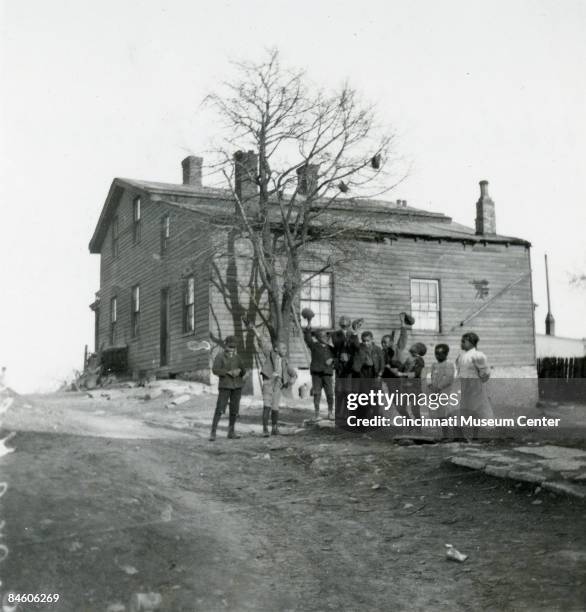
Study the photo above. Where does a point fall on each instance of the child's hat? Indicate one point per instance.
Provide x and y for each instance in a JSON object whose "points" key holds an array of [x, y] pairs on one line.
{"points": [[230, 342]]}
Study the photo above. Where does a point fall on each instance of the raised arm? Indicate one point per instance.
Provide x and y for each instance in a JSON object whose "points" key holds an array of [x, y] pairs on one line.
{"points": [[354, 339], [307, 336]]}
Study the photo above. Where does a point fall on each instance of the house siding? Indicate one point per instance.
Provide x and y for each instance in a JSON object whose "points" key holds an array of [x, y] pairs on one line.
{"points": [[142, 264], [505, 326], [377, 287]]}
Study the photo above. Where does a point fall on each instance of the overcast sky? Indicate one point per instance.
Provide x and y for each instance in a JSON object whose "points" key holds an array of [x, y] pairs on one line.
{"points": [[93, 90]]}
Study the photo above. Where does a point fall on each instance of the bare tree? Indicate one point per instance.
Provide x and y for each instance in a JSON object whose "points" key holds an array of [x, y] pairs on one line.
{"points": [[309, 152]]}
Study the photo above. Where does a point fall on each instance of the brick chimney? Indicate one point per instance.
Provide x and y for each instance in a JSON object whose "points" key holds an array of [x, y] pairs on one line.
{"points": [[245, 174], [307, 179], [192, 170], [485, 218]]}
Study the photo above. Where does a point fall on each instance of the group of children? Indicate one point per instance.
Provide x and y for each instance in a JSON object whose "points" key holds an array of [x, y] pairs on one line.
{"points": [[361, 366], [342, 361]]}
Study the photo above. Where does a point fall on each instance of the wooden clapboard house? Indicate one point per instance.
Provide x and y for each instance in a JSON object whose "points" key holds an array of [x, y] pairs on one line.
{"points": [[171, 274]]}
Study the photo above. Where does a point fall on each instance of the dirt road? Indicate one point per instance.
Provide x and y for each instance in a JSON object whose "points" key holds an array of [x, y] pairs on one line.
{"points": [[108, 498]]}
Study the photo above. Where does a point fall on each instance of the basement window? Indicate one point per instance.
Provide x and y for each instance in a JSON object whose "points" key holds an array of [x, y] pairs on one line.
{"points": [[113, 319], [189, 306], [136, 220], [135, 311], [316, 293], [425, 304]]}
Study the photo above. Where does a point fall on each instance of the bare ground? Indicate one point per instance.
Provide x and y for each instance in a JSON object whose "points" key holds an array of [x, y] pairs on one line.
{"points": [[111, 497]]}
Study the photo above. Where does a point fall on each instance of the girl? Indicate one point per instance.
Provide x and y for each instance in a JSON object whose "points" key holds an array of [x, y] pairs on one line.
{"points": [[473, 372]]}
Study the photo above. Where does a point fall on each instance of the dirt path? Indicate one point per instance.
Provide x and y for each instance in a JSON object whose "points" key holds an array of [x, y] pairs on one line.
{"points": [[310, 522]]}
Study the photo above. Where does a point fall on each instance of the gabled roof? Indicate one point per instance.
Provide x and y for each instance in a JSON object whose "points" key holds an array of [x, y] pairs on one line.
{"points": [[150, 187], [383, 217]]}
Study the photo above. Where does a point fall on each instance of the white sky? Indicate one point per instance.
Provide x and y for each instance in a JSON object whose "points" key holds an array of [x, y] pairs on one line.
{"points": [[93, 90]]}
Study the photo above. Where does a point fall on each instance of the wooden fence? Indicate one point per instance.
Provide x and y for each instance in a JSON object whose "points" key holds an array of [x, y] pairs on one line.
{"points": [[562, 378]]}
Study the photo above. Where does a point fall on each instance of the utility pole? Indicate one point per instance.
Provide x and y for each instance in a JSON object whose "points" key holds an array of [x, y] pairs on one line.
{"points": [[549, 320]]}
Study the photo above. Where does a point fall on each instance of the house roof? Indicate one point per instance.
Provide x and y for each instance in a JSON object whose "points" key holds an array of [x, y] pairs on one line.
{"points": [[383, 217]]}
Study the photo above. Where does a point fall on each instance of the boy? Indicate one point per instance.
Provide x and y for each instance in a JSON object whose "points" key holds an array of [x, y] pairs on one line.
{"points": [[229, 368], [473, 372], [442, 380], [412, 371], [367, 366], [321, 367], [394, 352], [345, 342], [368, 362], [392, 365], [276, 374]]}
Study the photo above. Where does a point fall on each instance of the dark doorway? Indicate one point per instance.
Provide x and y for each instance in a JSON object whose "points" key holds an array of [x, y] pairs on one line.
{"points": [[164, 345]]}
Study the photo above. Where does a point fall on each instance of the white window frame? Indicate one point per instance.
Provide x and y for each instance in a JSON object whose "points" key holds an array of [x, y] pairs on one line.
{"points": [[425, 310], [318, 294]]}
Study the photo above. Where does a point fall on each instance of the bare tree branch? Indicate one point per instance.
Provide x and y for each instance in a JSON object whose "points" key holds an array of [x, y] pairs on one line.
{"points": [[295, 128]]}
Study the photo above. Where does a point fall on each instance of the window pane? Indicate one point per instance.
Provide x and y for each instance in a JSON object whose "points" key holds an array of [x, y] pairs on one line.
{"points": [[316, 294], [191, 318], [433, 291], [190, 294], [415, 291], [327, 314], [425, 305], [434, 321]]}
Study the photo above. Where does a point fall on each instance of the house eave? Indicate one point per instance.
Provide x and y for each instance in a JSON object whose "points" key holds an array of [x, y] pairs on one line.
{"points": [[164, 193], [111, 202]]}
